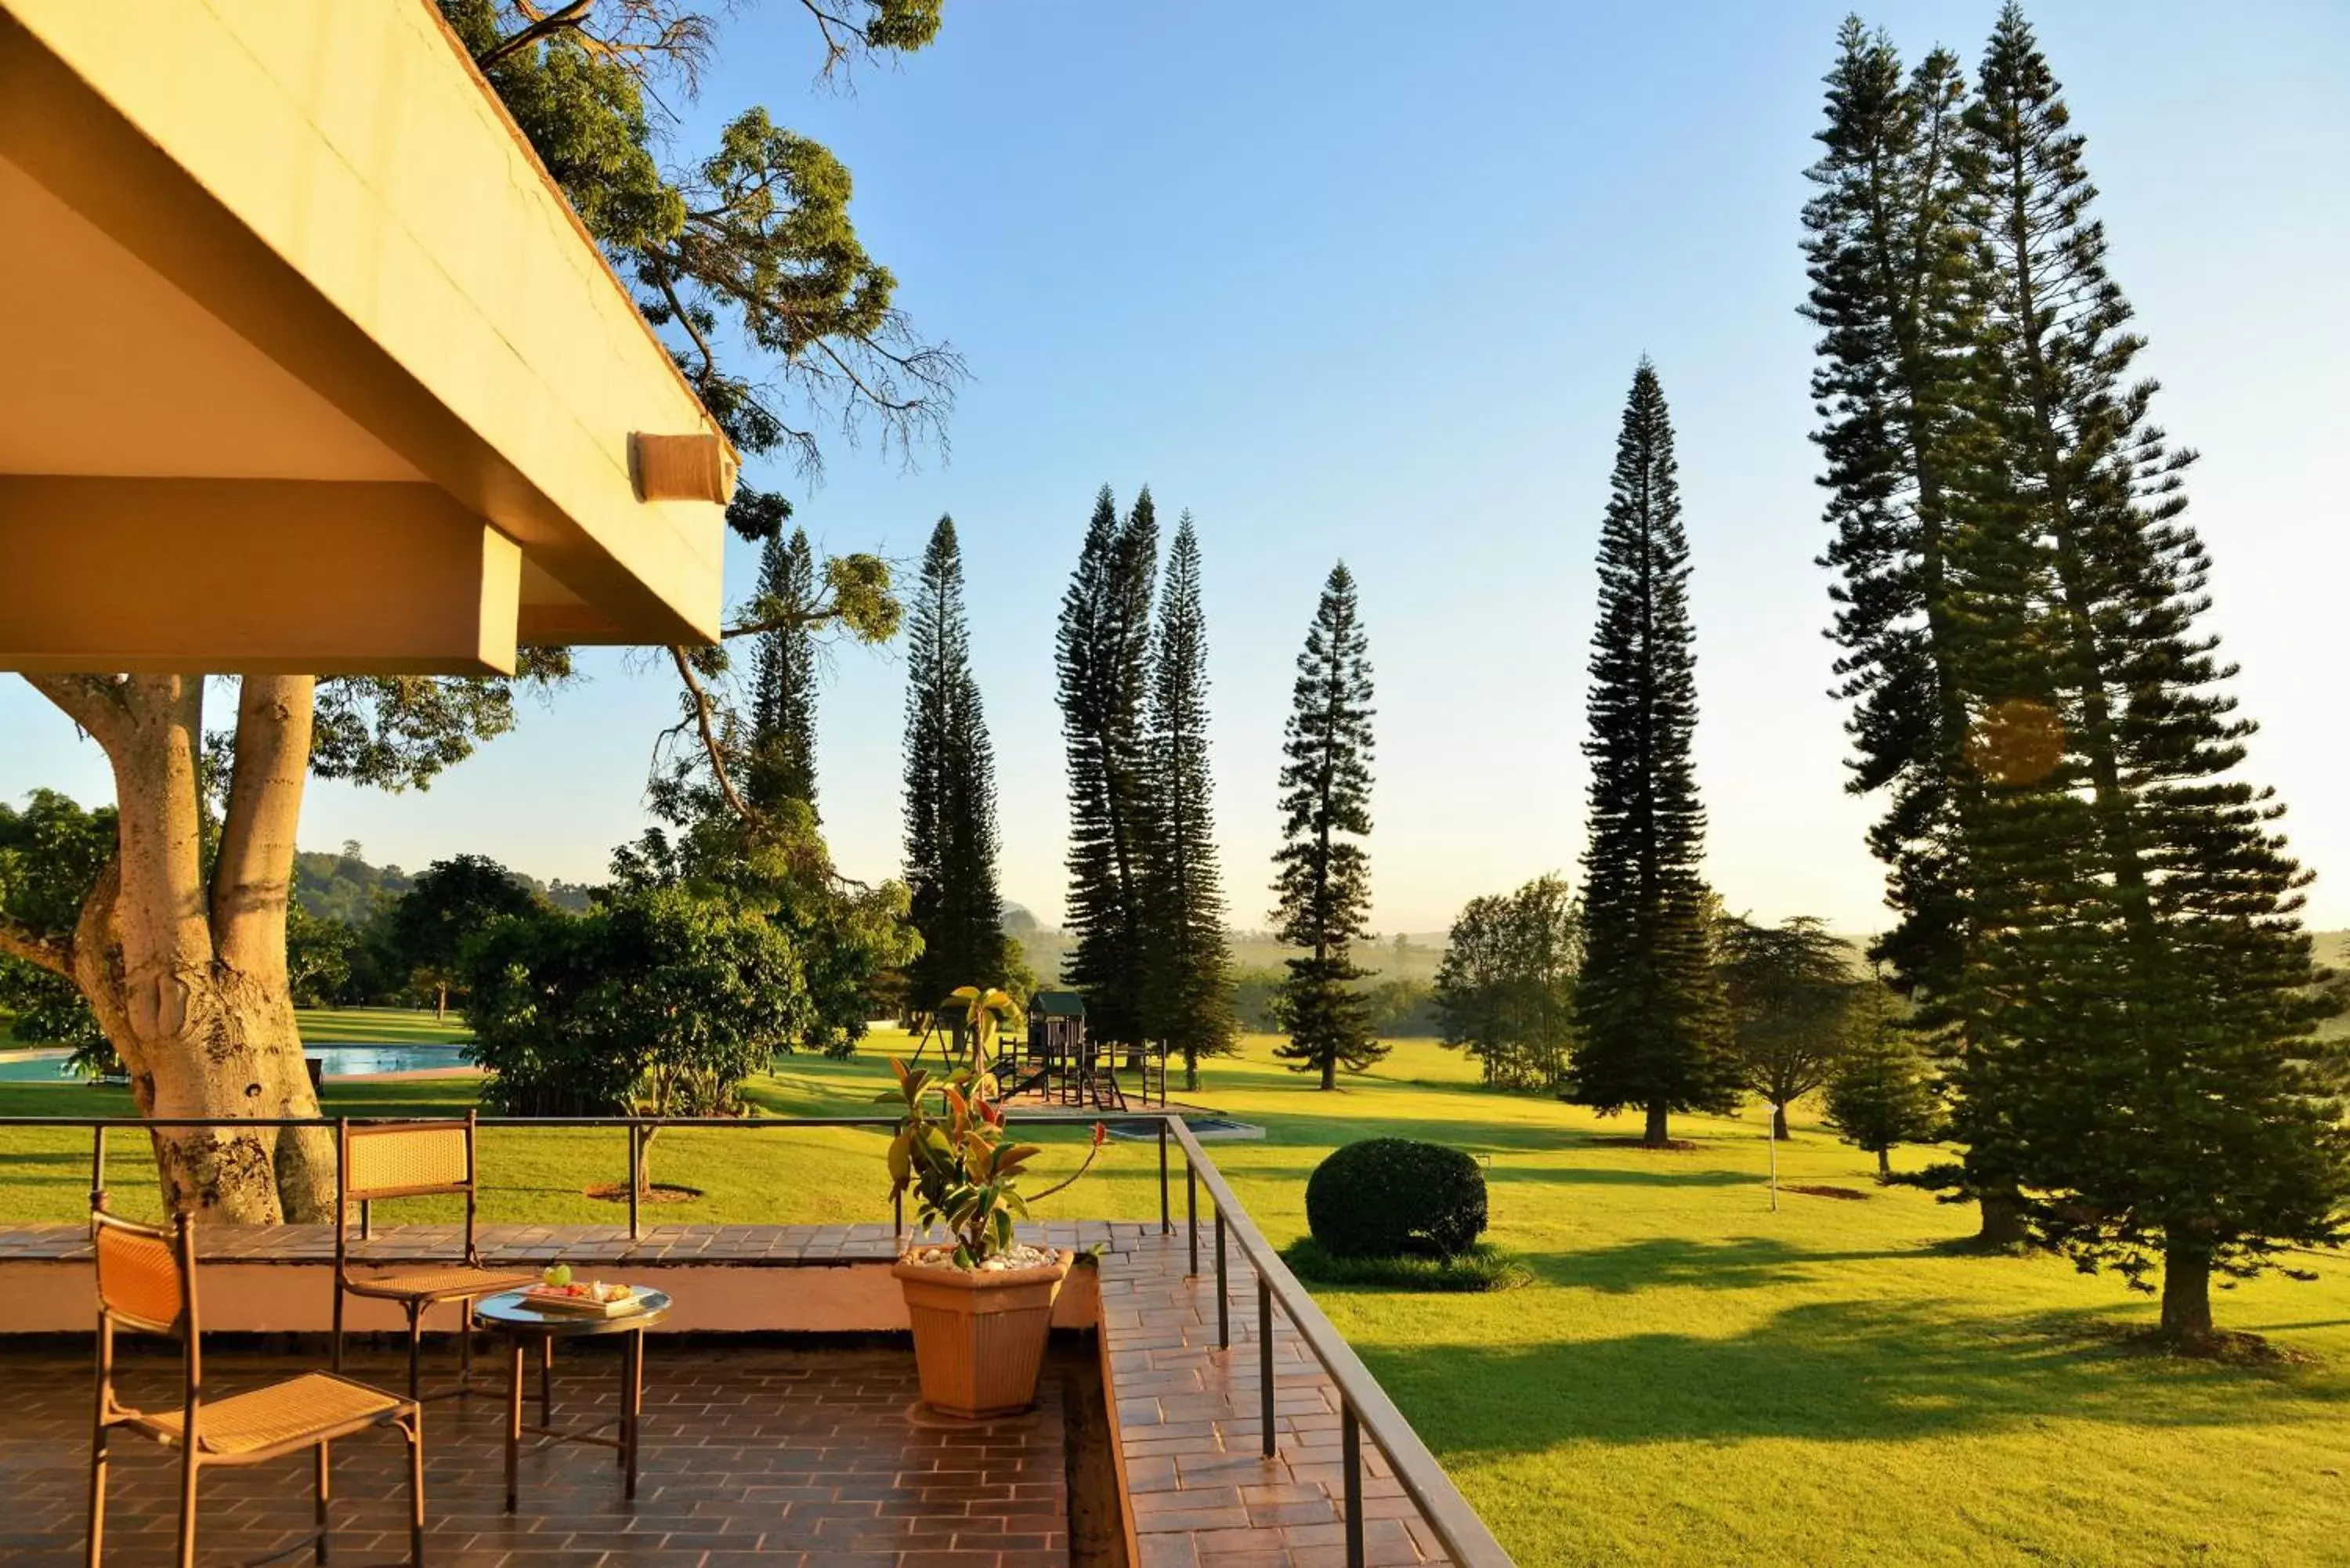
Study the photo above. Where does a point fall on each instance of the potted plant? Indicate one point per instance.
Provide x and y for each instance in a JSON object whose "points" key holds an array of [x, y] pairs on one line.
{"points": [[981, 1300]]}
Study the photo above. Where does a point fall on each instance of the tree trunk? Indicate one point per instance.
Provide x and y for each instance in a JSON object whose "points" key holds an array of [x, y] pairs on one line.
{"points": [[1330, 1071], [2003, 1221], [2186, 1298], [441, 1001], [1885, 1163], [1658, 1131], [190, 982], [1779, 1133]]}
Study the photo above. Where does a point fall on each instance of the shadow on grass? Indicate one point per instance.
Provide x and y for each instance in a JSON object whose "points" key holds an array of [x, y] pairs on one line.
{"points": [[1602, 1176], [1745, 1263], [1836, 1371]]}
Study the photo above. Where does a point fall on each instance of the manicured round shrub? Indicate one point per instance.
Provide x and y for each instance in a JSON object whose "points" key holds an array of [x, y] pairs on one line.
{"points": [[1387, 1197]]}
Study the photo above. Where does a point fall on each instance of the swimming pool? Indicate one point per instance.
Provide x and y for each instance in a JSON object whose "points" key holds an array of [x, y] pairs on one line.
{"points": [[335, 1062]]}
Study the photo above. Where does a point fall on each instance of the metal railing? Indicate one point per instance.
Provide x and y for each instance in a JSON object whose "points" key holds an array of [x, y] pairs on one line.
{"points": [[1363, 1405]]}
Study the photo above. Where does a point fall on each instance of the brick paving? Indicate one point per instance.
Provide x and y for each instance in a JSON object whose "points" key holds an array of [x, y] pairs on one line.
{"points": [[728, 1430], [752, 1454], [1201, 1492]]}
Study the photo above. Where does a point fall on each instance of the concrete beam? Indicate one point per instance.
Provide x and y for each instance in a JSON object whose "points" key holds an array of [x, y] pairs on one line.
{"points": [[269, 577]]}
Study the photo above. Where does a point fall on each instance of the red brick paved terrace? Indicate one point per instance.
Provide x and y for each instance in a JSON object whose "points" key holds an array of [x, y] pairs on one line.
{"points": [[781, 1422]]}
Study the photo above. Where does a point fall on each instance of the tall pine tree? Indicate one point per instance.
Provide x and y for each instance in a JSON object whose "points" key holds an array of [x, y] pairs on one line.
{"points": [[1649, 1005], [1103, 653], [783, 680], [1322, 872], [950, 827], [1189, 961], [1922, 594], [2171, 1102]]}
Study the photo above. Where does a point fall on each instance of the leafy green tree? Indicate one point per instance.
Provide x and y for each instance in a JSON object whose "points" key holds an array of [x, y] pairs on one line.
{"points": [[2155, 1000], [1505, 988], [1103, 656], [845, 935], [1190, 961], [1791, 991], [745, 250], [783, 681], [1649, 1007], [663, 999], [317, 957], [1322, 872], [50, 855], [951, 829], [451, 900], [1882, 1090]]}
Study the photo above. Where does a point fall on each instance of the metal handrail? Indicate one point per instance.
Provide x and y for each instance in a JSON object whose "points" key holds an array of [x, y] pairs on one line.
{"points": [[1364, 1406], [1464, 1536]]}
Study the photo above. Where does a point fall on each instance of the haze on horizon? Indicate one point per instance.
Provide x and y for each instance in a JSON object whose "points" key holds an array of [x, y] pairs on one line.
{"points": [[1376, 290]]}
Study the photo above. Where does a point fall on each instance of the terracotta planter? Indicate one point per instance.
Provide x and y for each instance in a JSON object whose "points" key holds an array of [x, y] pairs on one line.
{"points": [[979, 1338]]}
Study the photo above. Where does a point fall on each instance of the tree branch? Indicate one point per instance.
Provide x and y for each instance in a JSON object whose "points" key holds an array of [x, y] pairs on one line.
{"points": [[798, 620], [89, 700], [572, 15], [42, 952], [252, 879], [709, 737]]}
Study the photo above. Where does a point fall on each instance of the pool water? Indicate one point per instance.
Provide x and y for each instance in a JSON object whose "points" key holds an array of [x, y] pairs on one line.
{"points": [[335, 1062]]}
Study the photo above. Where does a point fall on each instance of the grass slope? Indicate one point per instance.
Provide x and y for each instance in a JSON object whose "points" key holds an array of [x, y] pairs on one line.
{"points": [[1691, 1379]]}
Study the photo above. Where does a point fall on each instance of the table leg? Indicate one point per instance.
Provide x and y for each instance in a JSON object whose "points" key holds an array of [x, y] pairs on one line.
{"points": [[546, 1381], [635, 1396], [514, 1415]]}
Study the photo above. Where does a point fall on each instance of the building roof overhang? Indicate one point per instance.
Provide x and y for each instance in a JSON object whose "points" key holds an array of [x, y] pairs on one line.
{"points": [[306, 367]]}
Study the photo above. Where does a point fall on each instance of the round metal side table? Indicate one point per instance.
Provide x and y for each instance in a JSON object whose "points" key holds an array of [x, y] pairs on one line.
{"points": [[514, 1315]]}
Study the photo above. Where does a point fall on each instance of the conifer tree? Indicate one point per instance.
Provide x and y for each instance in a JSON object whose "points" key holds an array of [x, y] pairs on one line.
{"points": [[1891, 261], [1882, 1091], [950, 826], [1895, 271], [2171, 1102], [783, 680], [1189, 991], [1649, 1006], [1322, 871], [1103, 657]]}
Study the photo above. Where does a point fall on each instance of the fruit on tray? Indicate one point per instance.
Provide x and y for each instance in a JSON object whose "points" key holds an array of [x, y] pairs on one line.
{"points": [[558, 1275], [596, 1291]]}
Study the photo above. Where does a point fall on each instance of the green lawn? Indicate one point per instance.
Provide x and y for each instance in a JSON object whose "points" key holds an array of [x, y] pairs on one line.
{"points": [[379, 1026], [1692, 1379]]}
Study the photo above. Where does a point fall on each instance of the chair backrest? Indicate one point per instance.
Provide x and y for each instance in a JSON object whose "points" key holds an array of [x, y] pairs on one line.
{"points": [[144, 1278], [407, 1159], [403, 1160]]}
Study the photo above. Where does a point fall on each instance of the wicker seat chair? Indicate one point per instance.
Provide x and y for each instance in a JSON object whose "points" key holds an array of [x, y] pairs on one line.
{"points": [[146, 1282], [415, 1159]]}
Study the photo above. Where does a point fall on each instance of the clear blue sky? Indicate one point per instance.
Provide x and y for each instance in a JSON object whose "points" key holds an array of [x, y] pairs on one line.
{"points": [[1369, 280]]}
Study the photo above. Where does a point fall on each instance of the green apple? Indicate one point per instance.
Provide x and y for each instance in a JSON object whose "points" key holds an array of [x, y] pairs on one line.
{"points": [[559, 1276]]}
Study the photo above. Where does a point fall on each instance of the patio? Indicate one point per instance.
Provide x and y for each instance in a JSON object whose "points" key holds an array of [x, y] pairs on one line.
{"points": [[781, 1418], [781, 1455]]}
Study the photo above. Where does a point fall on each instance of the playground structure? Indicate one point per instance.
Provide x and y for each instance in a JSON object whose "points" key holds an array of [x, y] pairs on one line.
{"points": [[1057, 1060], [1062, 1065]]}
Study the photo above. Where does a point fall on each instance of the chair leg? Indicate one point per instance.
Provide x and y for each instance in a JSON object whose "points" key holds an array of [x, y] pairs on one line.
{"points": [[337, 1364], [415, 1345], [414, 1429], [318, 1511], [187, 1501], [465, 1346], [97, 1494]]}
